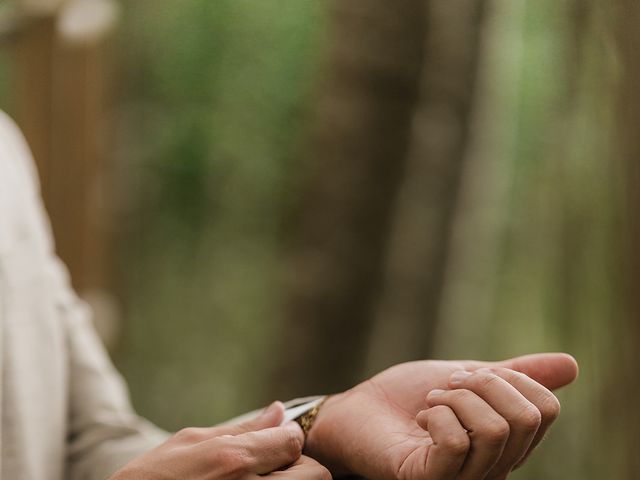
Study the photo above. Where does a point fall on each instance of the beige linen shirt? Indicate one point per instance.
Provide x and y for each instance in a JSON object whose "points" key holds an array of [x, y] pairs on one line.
{"points": [[65, 412]]}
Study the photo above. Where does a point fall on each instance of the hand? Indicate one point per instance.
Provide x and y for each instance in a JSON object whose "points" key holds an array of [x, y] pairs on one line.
{"points": [[419, 421], [256, 449]]}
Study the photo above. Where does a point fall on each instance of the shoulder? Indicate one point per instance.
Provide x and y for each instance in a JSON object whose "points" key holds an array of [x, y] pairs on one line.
{"points": [[22, 218]]}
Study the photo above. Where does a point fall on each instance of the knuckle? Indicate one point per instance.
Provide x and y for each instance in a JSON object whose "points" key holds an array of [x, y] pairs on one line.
{"points": [[530, 418], [189, 435], [550, 407], [292, 445], [457, 445], [495, 432]]}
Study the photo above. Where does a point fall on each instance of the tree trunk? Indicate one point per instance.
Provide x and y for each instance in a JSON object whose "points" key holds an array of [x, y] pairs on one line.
{"points": [[358, 151], [409, 307], [628, 419]]}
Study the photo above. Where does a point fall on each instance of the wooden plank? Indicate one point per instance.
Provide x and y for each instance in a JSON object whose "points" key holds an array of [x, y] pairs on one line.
{"points": [[61, 91], [33, 50], [78, 131]]}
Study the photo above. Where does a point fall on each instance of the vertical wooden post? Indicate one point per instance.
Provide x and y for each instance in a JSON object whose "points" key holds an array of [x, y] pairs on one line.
{"points": [[62, 99], [80, 137], [79, 131], [34, 90]]}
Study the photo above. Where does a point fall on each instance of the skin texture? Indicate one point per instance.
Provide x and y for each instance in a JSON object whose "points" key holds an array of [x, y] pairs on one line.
{"points": [[256, 449], [442, 420], [425, 420]]}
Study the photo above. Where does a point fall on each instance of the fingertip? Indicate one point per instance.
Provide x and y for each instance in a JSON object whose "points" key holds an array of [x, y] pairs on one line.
{"points": [[563, 369], [272, 416], [422, 418], [573, 369], [553, 370], [433, 395], [275, 406], [274, 413]]}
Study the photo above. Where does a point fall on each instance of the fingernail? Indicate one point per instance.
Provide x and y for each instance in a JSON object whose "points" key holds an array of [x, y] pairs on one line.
{"points": [[458, 377], [435, 393]]}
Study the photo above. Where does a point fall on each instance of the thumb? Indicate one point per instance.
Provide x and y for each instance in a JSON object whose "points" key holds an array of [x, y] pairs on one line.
{"points": [[272, 416], [553, 370]]}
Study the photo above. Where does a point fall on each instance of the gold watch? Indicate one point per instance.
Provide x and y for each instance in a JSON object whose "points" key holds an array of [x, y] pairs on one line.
{"points": [[306, 420]]}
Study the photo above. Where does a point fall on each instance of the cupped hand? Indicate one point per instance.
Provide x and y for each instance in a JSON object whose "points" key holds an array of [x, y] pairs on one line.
{"points": [[256, 449], [442, 420]]}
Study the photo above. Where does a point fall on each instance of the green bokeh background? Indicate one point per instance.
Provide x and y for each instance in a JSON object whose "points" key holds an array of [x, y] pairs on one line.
{"points": [[214, 101], [216, 108]]}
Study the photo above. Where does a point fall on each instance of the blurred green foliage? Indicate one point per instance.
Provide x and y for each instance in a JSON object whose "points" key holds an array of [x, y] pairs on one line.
{"points": [[212, 113], [214, 108]]}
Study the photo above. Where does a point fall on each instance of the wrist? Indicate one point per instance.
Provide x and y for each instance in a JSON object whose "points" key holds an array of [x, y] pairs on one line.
{"points": [[323, 438]]}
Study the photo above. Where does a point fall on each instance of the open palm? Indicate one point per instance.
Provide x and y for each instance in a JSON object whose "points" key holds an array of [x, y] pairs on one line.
{"points": [[380, 428]]}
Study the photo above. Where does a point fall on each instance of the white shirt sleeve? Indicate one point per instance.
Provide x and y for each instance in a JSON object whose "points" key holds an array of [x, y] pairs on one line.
{"points": [[59, 356]]}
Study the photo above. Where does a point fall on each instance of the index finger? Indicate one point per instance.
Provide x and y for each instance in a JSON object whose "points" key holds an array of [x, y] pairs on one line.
{"points": [[545, 401], [264, 451]]}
